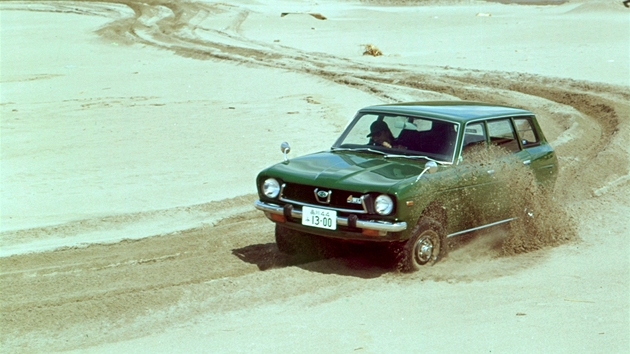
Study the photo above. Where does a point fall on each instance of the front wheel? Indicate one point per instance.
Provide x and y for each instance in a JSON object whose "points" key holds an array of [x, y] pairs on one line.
{"points": [[293, 242], [425, 246], [290, 241]]}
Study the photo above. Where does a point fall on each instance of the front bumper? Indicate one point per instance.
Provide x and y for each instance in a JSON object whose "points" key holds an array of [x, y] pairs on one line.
{"points": [[384, 226]]}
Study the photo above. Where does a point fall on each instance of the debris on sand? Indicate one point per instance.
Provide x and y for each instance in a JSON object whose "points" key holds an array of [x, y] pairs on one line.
{"points": [[372, 50], [314, 14]]}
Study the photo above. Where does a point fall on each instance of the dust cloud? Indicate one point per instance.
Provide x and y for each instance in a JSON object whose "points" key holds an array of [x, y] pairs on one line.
{"points": [[541, 219]]}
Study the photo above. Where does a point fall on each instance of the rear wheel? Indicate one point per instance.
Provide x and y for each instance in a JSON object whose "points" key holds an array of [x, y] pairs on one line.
{"points": [[425, 246]]}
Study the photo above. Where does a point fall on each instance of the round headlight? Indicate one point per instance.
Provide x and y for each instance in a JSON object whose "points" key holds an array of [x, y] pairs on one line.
{"points": [[383, 204], [271, 188]]}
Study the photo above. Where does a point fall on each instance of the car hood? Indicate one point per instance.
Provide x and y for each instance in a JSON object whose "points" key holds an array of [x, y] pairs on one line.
{"points": [[361, 172]]}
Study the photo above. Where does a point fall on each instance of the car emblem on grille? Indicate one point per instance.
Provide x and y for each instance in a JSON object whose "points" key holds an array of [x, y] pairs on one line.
{"points": [[323, 196], [353, 200]]}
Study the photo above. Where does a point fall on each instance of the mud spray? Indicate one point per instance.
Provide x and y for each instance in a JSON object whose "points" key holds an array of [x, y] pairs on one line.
{"points": [[541, 221]]}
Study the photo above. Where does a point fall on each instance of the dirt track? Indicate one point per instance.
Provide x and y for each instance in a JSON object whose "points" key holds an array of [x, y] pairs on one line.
{"points": [[116, 291]]}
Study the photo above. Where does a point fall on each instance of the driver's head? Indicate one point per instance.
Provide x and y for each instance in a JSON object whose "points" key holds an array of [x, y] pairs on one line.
{"points": [[379, 131]]}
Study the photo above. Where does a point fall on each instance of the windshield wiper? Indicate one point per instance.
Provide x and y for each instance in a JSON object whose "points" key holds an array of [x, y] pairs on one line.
{"points": [[386, 155], [414, 157], [359, 149]]}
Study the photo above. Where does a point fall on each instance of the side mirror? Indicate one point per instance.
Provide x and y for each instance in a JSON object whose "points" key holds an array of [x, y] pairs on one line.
{"points": [[285, 148], [431, 167]]}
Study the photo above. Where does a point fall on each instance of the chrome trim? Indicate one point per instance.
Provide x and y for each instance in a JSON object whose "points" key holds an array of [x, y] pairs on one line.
{"points": [[362, 224], [480, 227], [319, 198], [355, 211], [291, 201], [286, 149], [365, 207]]}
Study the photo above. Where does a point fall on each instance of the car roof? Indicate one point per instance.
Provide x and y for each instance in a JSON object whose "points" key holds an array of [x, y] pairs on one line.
{"points": [[458, 111]]}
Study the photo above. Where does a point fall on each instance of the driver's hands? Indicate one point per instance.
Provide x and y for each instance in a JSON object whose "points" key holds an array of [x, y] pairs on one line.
{"points": [[389, 146]]}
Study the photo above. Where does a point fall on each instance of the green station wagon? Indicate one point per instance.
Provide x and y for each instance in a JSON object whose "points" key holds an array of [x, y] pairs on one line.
{"points": [[398, 175]]}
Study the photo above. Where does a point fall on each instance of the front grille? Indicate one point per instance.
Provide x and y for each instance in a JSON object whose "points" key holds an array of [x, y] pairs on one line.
{"points": [[305, 195]]}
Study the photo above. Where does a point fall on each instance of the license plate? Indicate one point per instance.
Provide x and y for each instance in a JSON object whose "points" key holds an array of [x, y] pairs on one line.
{"points": [[322, 218]]}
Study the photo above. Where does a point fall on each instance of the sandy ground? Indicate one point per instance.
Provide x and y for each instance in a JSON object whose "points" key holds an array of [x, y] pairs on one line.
{"points": [[131, 134]]}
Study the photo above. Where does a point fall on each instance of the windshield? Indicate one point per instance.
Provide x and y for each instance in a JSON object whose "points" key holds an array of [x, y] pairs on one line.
{"points": [[401, 135]]}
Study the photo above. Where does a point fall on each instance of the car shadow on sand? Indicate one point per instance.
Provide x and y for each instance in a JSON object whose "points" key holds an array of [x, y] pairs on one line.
{"points": [[372, 261], [356, 260]]}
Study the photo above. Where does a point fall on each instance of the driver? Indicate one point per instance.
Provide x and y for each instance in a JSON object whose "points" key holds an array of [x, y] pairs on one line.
{"points": [[380, 135]]}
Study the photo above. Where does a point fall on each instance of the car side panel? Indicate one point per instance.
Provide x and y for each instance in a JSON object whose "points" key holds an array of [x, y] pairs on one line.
{"points": [[544, 164]]}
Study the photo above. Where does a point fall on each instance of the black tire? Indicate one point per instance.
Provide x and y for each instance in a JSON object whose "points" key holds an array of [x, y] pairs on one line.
{"points": [[294, 242], [286, 240], [425, 247]]}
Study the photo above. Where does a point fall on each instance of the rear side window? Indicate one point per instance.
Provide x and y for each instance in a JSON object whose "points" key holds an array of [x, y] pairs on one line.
{"points": [[526, 132], [502, 134]]}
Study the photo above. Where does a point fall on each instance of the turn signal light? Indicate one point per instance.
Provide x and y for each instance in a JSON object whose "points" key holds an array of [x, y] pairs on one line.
{"points": [[368, 232], [278, 218]]}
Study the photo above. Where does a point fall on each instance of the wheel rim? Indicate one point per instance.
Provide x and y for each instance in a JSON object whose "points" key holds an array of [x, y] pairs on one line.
{"points": [[424, 249]]}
